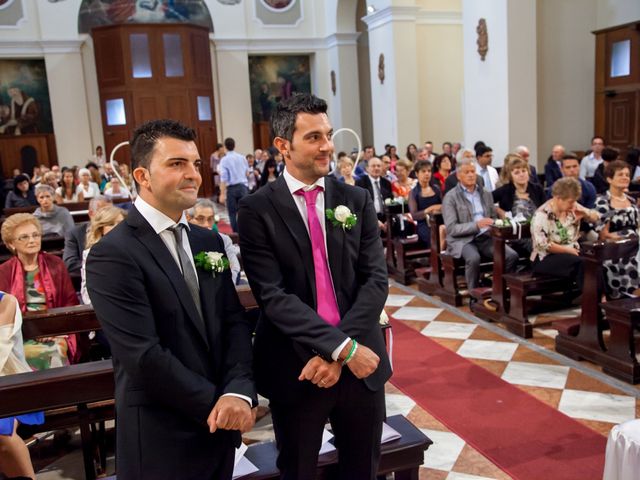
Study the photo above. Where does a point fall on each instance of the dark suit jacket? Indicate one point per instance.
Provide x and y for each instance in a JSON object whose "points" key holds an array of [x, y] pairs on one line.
{"points": [[170, 366], [385, 190], [505, 195], [552, 172], [74, 242], [277, 256]]}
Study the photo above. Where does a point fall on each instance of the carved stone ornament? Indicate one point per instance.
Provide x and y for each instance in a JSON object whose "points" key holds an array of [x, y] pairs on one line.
{"points": [[381, 68], [333, 82], [483, 38]]}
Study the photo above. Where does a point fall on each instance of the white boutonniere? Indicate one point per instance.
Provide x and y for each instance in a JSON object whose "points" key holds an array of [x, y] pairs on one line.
{"points": [[214, 262], [341, 216]]}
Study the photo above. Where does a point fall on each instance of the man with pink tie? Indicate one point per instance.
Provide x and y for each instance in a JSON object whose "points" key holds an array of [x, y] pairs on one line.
{"points": [[312, 252]]}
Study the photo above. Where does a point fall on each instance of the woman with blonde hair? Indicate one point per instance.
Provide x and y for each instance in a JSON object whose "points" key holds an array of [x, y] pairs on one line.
{"points": [[101, 223], [403, 186], [14, 459], [345, 167]]}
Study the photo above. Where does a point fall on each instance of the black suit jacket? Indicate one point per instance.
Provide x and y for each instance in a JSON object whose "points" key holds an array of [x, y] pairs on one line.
{"points": [[552, 172], [277, 256], [170, 365], [74, 242], [385, 190]]}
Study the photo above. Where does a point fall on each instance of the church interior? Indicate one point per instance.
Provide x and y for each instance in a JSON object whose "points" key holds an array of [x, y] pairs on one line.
{"points": [[512, 378]]}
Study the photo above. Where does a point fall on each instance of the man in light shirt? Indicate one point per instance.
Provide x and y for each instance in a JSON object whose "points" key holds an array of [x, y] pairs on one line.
{"points": [[590, 163]]}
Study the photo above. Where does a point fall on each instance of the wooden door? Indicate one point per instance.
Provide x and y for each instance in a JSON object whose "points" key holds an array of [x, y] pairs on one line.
{"points": [[621, 120]]}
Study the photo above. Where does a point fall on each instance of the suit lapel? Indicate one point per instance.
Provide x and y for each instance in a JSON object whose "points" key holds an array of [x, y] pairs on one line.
{"points": [[159, 252], [335, 235], [285, 207]]}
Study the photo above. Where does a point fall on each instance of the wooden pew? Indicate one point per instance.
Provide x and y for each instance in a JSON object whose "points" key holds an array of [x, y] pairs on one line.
{"points": [[403, 253], [588, 343], [79, 210], [624, 320], [430, 279], [401, 457]]}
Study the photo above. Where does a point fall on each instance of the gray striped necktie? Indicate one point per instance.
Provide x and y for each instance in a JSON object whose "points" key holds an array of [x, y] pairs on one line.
{"points": [[188, 271]]}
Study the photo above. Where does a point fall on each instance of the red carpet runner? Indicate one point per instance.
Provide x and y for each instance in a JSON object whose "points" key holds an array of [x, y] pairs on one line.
{"points": [[521, 435]]}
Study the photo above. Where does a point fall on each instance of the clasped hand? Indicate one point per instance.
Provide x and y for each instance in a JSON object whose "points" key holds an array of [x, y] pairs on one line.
{"points": [[231, 413]]}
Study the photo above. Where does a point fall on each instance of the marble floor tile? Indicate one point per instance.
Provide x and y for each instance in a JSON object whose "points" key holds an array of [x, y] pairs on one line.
{"points": [[423, 314], [452, 344], [461, 331], [422, 419], [603, 407], [398, 404], [536, 375], [494, 366], [444, 452], [431, 474], [465, 476], [488, 350], [550, 396], [394, 300], [472, 462], [579, 381], [447, 316], [525, 354]]}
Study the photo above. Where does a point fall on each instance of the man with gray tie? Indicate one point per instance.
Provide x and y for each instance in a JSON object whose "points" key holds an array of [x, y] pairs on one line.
{"points": [[234, 181], [378, 187], [484, 156]]}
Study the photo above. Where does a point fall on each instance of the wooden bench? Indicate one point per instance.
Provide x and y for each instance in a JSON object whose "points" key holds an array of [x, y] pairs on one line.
{"points": [[401, 457], [624, 320], [582, 338], [403, 253], [430, 279]]}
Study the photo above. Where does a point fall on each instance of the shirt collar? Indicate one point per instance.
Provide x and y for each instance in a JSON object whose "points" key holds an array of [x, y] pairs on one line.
{"points": [[158, 220], [465, 190], [293, 184]]}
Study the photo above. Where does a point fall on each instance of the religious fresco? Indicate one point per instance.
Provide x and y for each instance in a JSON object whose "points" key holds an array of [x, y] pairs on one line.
{"points": [[278, 5], [94, 13], [24, 97], [276, 77]]}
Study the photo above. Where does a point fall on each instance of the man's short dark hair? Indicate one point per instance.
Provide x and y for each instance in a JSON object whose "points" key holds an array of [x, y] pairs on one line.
{"points": [[218, 146], [569, 156], [229, 144], [609, 154], [479, 144], [482, 149], [146, 135], [597, 137], [283, 117]]}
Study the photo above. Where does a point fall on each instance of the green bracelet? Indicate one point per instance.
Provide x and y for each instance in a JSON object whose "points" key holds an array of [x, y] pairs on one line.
{"points": [[354, 347]]}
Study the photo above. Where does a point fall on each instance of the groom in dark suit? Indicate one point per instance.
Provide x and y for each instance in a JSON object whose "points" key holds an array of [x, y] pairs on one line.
{"points": [[181, 345], [321, 285]]}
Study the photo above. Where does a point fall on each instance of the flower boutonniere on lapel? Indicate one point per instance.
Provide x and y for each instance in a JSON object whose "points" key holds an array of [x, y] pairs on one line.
{"points": [[341, 216], [214, 262]]}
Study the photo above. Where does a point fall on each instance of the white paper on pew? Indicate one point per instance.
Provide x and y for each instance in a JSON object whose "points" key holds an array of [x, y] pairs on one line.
{"points": [[389, 434], [240, 451], [326, 446], [243, 467]]}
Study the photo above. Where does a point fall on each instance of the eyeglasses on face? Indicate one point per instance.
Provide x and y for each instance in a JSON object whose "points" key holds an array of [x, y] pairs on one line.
{"points": [[25, 238]]}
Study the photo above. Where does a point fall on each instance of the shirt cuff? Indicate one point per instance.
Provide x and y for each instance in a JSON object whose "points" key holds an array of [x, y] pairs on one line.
{"points": [[243, 397], [336, 352]]}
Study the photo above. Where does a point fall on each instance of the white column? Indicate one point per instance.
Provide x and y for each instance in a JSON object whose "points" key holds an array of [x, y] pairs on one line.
{"points": [[500, 93], [395, 106]]}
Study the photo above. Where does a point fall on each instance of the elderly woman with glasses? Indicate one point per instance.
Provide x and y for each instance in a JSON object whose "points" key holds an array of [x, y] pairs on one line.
{"points": [[39, 281]]}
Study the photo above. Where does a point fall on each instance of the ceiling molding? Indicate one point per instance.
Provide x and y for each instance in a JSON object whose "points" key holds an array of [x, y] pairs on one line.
{"points": [[284, 45], [34, 48]]}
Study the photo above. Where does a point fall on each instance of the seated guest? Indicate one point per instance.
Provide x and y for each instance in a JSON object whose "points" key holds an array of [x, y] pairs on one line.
{"points": [[468, 213], [101, 223], [254, 175], [447, 148], [345, 167], [39, 281], [379, 188], [88, 188], [599, 181], [571, 168], [386, 170], [22, 193], [442, 166], [55, 220], [203, 214], [15, 461], [484, 156], [526, 155], [68, 192], [590, 162], [552, 169], [633, 159], [391, 152], [270, 172], [107, 175], [619, 218], [412, 151], [127, 178], [404, 184], [50, 178], [74, 240], [424, 200], [519, 195], [94, 172], [114, 189], [555, 228]]}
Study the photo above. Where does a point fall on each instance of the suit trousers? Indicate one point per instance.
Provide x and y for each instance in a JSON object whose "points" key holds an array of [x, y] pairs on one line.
{"points": [[356, 415], [481, 247], [234, 195]]}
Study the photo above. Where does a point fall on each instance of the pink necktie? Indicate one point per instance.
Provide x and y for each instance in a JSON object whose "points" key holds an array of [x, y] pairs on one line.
{"points": [[325, 297]]}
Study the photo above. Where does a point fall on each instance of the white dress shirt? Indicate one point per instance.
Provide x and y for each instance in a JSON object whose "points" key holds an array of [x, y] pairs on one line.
{"points": [[293, 184], [161, 224]]}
